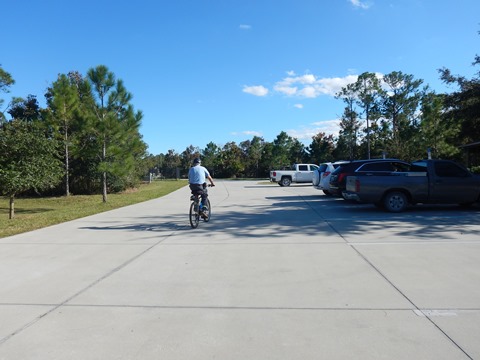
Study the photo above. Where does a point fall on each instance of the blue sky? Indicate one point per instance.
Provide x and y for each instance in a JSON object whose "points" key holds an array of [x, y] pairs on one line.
{"points": [[226, 70]]}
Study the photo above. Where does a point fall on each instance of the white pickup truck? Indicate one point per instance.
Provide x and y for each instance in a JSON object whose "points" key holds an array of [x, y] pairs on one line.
{"points": [[299, 173]]}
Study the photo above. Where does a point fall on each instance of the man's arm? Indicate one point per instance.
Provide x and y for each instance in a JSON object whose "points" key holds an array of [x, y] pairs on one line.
{"points": [[210, 179]]}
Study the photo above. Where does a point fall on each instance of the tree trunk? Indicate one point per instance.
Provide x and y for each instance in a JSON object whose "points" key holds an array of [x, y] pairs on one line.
{"points": [[12, 207], [67, 166], [368, 137], [104, 173], [104, 187]]}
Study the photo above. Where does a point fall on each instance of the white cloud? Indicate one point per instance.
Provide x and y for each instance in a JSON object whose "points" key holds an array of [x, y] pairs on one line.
{"points": [[331, 86], [252, 133], [247, 132], [256, 90], [286, 90], [304, 79], [298, 106], [308, 92], [306, 86], [245, 27], [306, 133], [360, 4], [327, 126], [309, 86]]}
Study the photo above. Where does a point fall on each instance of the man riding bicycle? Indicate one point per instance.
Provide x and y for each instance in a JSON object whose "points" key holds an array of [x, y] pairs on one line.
{"points": [[197, 176]]}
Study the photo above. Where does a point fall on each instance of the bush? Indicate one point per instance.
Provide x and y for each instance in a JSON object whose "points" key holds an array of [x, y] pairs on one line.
{"points": [[475, 169]]}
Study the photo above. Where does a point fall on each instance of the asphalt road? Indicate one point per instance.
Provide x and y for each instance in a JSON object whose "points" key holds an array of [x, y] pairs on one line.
{"points": [[278, 273]]}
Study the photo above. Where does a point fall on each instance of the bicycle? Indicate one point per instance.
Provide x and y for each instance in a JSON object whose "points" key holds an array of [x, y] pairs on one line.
{"points": [[195, 213]]}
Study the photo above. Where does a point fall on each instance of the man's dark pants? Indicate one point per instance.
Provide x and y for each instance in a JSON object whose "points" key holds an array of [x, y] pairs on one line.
{"points": [[200, 189]]}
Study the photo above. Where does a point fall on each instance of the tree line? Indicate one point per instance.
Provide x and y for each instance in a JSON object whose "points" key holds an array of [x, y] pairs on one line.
{"points": [[392, 115], [86, 140]]}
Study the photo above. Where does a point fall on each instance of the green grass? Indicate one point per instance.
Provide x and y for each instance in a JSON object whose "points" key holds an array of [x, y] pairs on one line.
{"points": [[36, 213]]}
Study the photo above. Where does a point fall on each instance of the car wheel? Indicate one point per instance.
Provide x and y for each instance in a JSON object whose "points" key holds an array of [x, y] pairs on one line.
{"points": [[326, 192], [395, 201], [285, 181]]}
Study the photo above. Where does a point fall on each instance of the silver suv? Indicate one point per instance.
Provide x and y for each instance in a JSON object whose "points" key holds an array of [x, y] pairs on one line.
{"points": [[321, 176]]}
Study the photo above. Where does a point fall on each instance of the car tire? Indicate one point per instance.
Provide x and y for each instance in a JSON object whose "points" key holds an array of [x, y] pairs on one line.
{"points": [[395, 201], [326, 192], [285, 181]]}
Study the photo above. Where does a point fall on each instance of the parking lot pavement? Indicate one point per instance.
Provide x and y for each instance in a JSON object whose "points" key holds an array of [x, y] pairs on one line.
{"points": [[278, 273]]}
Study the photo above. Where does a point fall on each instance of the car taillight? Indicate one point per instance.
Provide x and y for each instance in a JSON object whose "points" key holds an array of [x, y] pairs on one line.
{"points": [[326, 173], [357, 185], [274, 173], [342, 176]]}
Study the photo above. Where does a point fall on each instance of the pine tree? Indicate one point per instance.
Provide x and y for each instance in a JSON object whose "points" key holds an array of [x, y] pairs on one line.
{"points": [[401, 100], [63, 105], [116, 127]]}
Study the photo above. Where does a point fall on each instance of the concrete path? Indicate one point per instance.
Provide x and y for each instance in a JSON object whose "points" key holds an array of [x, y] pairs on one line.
{"points": [[278, 273]]}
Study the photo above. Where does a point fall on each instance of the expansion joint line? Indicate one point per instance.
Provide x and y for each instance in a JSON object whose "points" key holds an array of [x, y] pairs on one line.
{"points": [[386, 278], [65, 302]]}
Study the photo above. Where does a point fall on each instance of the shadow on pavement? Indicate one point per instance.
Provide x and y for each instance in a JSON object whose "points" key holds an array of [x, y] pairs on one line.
{"points": [[295, 216]]}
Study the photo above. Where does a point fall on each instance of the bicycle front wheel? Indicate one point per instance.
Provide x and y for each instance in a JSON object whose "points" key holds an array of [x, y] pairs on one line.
{"points": [[208, 213], [194, 216]]}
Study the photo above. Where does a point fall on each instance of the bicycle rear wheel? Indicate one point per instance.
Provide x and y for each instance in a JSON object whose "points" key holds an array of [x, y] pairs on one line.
{"points": [[194, 216], [208, 212]]}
